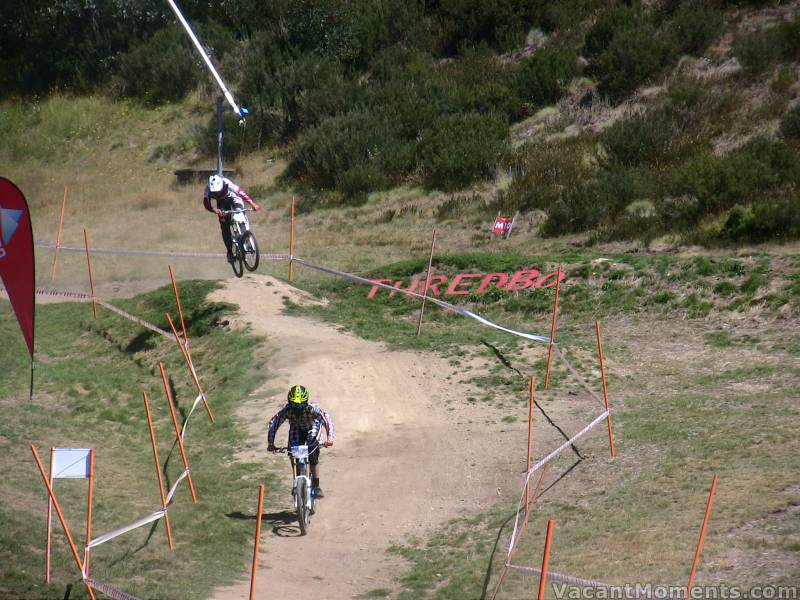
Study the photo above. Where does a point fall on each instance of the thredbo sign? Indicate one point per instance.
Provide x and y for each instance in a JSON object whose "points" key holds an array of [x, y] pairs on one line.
{"points": [[464, 284]]}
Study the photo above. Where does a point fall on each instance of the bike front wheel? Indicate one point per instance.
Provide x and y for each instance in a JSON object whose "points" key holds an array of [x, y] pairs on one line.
{"points": [[301, 505], [250, 251]]}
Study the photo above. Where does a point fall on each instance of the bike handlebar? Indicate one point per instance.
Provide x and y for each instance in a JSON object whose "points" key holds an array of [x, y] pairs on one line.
{"points": [[236, 210]]}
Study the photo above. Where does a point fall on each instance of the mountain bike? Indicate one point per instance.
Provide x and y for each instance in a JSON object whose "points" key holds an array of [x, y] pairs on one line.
{"points": [[244, 247], [305, 502]]}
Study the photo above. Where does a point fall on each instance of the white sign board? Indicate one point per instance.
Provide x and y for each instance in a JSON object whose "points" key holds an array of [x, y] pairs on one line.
{"points": [[70, 463]]}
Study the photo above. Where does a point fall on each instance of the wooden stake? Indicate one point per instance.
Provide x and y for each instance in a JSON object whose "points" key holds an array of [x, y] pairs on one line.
{"points": [[89, 511], [58, 241], [545, 558], [178, 302], [535, 496], [291, 245], [49, 520], [158, 469], [552, 331], [605, 389], [177, 430], [91, 277], [255, 544], [531, 401], [61, 518], [699, 548], [190, 365], [427, 283]]}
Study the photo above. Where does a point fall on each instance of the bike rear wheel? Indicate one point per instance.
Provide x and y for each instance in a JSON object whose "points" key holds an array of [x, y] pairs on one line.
{"points": [[300, 505], [250, 251]]}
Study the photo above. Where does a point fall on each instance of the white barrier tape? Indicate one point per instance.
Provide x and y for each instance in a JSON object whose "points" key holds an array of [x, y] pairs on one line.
{"points": [[619, 591], [174, 487], [569, 442], [164, 253], [57, 293], [441, 303], [197, 401], [135, 319], [109, 591], [539, 465], [122, 530]]}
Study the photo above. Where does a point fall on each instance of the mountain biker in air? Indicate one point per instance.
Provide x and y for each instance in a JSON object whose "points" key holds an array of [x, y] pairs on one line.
{"points": [[228, 196], [306, 422]]}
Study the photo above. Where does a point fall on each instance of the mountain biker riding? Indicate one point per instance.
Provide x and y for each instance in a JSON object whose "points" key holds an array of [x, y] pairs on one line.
{"points": [[228, 196], [305, 427]]}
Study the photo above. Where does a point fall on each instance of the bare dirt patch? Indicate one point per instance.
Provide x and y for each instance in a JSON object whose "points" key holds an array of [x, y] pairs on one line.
{"points": [[403, 463]]}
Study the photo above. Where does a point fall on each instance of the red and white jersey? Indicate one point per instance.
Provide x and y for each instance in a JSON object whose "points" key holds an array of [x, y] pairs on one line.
{"points": [[235, 195]]}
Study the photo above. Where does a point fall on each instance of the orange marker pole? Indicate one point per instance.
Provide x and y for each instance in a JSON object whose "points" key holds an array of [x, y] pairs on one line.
{"points": [[177, 430], [545, 558], [91, 277], [49, 521], [605, 389], [61, 518], [531, 400], [291, 245], [178, 302], [187, 357], [255, 544], [158, 469], [58, 238], [702, 536], [552, 331], [89, 511], [427, 283]]}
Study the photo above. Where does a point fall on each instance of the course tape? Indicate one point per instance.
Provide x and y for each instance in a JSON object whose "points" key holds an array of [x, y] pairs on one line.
{"points": [[445, 305], [126, 528], [628, 591], [109, 591], [539, 465], [135, 319], [165, 253]]}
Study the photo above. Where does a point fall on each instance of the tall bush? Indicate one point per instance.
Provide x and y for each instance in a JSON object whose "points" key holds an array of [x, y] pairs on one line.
{"points": [[460, 149]]}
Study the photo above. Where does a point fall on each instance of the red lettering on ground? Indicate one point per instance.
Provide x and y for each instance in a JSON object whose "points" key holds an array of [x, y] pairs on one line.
{"points": [[461, 279], [433, 283], [412, 288], [374, 289], [522, 280], [540, 282], [501, 278]]}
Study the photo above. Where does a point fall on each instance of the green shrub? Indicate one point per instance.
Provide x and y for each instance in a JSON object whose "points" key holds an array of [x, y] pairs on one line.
{"points": [[711, 183], [621, 17], [772, 219], [461, 149], [544, 170], [159, 69], [592, 203], [790, 124], [542, 79], [761, 49], [634, 57], [693, 26], [353, 153]]}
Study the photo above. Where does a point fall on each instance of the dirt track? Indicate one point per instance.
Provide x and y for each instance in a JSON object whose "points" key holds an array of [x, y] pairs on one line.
{"points": [[402, 462]]}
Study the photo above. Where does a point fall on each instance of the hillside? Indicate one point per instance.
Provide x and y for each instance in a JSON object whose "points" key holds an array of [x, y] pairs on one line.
{"points": [[651, 150]]}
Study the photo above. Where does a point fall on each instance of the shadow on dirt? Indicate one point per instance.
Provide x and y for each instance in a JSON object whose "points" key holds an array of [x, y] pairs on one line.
{"points": [[283, 523]]}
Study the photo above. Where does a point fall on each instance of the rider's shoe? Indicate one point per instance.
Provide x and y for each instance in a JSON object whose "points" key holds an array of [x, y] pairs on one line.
{"points": [[317, 492], [230, 257]]}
